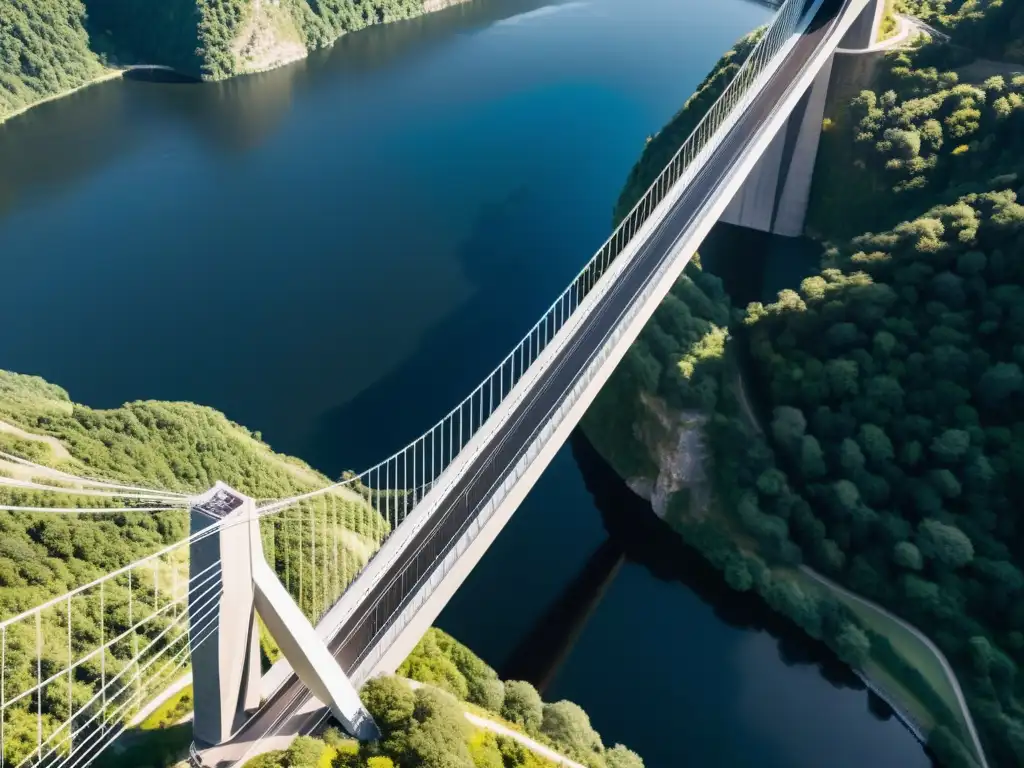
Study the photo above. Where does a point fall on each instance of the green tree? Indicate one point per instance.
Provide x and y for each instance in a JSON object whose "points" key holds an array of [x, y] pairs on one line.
{"points": [[523, 705], [389, 701], [788, 425], [906, 555], [945, 543], [568, 726], [812, 458], [853, 645], [304, 752], [621, 757]]}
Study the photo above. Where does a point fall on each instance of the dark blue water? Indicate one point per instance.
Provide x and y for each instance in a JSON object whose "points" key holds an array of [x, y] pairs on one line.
{"points": [[336, 252]]}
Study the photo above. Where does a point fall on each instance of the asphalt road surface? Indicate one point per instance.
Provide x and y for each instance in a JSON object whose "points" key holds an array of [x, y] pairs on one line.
{"points": [[426, 549]]}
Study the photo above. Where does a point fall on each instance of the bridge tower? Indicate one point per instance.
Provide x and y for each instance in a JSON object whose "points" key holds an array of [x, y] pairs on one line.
{"points": [[776, 195], [230, 584]]}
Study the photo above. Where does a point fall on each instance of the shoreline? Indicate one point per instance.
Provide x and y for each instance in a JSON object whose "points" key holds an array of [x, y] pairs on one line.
{"points": [[892, 699], [110, 74], [113, 73]]}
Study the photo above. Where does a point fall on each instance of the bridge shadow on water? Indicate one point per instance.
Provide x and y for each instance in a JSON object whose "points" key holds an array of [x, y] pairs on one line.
{"points": [[637, 535]]}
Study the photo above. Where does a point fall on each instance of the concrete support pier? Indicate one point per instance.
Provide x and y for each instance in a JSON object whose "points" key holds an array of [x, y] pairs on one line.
{"points": [[230, 581], [226, 664], [776, 195], [863, 33]]}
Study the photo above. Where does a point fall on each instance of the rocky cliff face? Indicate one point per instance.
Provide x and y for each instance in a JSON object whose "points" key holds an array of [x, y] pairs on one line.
{"points": [[269, 39], [217, 39], [676, 444]]}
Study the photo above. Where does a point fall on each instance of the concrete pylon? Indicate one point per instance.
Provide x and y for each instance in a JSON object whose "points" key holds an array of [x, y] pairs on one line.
{"points": [[226, 663], [863, 33], [230, 582]]}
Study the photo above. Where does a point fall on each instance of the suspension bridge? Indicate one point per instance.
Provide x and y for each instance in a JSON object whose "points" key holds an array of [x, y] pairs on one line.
{"points": [[346, 578]]}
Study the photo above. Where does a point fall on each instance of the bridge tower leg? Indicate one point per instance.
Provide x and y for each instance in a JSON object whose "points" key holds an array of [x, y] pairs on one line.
{"points": [[775, 196], [224, 643], [230, 582], [864, 31]]}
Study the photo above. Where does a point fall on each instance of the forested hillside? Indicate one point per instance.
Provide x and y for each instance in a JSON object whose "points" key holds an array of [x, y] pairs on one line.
{"points": [[44, 50], [993, 29], [48, 47], [215, 39], [893, 387], [176, 446], [896, 381], [426, 727]]}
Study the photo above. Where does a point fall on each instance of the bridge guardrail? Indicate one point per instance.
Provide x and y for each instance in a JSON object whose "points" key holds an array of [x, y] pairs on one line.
{"points": [[679, 170]]}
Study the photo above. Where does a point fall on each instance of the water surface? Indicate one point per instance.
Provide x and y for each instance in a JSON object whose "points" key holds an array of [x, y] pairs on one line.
{"points": [[336, 252]]}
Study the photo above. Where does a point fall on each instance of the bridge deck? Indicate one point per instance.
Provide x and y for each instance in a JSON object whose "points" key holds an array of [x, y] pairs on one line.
{"points": [[470, 493]]}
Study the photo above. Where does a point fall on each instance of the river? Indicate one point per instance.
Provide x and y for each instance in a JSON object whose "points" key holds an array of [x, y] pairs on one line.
{"points": [[335, 252]]}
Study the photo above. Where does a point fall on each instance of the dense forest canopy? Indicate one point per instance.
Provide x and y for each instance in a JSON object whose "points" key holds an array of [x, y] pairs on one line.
{"points": [[993, 29], [892, 381], [897, 386], [44, 50]]}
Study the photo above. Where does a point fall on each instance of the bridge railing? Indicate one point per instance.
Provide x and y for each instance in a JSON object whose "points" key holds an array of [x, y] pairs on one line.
{"points": [[393, 488], [117, 653], [76, 668], [666, 188]]}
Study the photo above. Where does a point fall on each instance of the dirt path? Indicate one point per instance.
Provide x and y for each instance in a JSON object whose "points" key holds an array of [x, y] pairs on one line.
{"points": [[741, 393], [491, 725], [907, 28], [59, 451]]}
